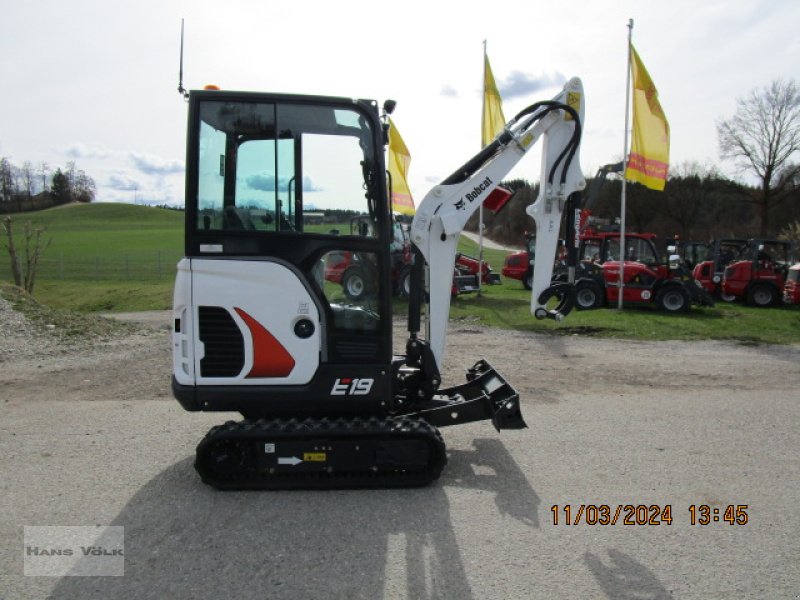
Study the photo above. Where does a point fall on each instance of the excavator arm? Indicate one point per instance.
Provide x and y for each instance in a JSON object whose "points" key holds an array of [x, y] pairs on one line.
{"points": [[444, 211]]}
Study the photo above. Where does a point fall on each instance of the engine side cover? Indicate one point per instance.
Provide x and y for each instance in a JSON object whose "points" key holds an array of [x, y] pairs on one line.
{"points": [[244, 322]]}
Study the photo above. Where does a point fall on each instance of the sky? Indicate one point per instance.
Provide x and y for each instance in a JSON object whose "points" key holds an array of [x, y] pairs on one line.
{"points": [[95, 82]]}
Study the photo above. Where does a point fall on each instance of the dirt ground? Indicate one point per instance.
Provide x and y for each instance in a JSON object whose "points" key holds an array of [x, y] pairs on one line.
{"points": [[540, 367], [91, 435]]}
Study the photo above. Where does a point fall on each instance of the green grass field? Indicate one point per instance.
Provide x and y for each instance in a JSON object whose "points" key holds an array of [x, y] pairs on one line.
{"points": [[508, 306], [121, 236], [79, 231], [106, 241], [104, 256]]}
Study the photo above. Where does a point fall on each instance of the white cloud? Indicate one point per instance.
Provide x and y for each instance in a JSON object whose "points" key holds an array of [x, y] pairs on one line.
{"points": [[122, 183], [519, 84], [81, 150], [448, 91], [156, 165]]}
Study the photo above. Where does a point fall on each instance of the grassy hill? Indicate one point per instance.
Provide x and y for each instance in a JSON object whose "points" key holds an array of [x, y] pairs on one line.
{"points": [[83, 231], [105, 256]]}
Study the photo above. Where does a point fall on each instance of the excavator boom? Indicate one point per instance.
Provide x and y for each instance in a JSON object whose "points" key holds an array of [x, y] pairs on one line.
{"points": [[445, 210]]}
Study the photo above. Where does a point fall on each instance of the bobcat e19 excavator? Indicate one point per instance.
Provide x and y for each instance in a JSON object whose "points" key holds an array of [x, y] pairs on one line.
{"points": [[259, 331]]}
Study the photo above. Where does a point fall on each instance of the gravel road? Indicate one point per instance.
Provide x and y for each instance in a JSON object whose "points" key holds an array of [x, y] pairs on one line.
{"points": [[91, 436]]}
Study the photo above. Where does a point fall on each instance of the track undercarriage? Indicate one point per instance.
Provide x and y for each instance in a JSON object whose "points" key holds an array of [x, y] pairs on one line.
{"points": [[402, 449], [321, 454]]}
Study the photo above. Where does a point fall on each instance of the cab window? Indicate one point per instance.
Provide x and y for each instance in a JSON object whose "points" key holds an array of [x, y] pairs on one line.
{"points": [[261, 166]]}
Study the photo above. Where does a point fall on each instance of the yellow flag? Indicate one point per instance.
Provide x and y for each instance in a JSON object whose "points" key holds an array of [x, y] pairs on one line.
{"points": [[399, 161], [493, 119], [649, 158]]}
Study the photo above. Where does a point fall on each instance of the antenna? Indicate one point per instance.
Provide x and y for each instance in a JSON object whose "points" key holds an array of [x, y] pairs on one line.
{"points": [[182, 90]]}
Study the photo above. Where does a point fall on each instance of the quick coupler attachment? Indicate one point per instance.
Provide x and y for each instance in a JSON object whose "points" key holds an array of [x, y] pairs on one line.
{"points": [[485, 396], [564, 293]]}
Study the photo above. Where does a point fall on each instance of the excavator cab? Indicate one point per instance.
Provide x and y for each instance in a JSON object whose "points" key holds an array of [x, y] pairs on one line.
{"points": [[261, 330]]}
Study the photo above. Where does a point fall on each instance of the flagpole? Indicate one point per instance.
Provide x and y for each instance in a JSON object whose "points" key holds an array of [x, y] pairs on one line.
{"points": [[480, 208], [624, 171]]}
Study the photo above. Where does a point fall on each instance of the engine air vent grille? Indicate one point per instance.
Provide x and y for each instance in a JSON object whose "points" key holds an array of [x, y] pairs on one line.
{"points": [[363, 350], [223, 341]]}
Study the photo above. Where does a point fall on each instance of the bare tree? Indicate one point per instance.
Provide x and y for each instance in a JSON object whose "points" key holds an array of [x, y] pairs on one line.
{"points": [[688, 196], [27, 176], [34, 248], [763, 136], [44, 169], [84, 187], [24, 272], [16, 271], [71, 172], [7, 185]]}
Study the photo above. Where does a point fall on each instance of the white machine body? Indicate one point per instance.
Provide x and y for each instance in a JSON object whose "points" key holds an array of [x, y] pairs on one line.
{"points": [[265, 300]]}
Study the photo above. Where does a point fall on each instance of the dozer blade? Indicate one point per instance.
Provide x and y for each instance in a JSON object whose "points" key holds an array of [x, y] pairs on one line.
{"points": [[321, 454], [486, 395]]}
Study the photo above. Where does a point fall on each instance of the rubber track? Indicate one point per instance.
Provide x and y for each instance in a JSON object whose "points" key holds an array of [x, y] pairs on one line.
{"points": [[247, 475]]}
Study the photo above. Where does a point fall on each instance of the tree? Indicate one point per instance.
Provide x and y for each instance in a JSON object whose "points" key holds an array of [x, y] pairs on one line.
{"points": [[44, 169], [27, 176], [641, 207], [763, 136], [791, 232], [11, 247], [70, 173], [24, 271], [84, 188], [7, 184], [698, 199], [684, 197], [60, 187]]}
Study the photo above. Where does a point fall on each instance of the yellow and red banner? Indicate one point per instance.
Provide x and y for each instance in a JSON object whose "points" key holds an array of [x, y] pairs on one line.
{"points": [[648, 162], [493, 119], [398, 163]]}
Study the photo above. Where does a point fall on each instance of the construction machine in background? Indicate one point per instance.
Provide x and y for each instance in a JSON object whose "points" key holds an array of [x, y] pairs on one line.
{"points": [[519, 265], [710, 270], [666, 284], [259, 330], [692, 252], [649, 279], [348, 268], [758, 274], [467, 264]]}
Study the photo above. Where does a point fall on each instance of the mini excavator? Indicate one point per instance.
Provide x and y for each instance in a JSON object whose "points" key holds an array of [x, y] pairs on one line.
{"points": [[258, 329]]}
